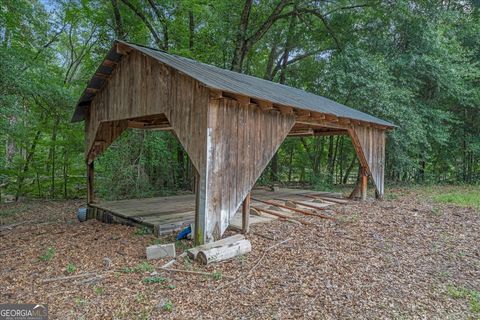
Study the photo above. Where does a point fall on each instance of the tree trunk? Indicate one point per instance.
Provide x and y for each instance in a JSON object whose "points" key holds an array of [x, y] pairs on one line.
{"points": [[330, 158], [243, 44], [21, 176], [349, 169], [65, 176], [119, 32], [191, 29], [241, 41], [290, 163], [52, 155], [274, 168]]}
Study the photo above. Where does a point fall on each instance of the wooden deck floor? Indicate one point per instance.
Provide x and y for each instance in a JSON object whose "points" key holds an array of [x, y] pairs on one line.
{"points": [[164, 215]]}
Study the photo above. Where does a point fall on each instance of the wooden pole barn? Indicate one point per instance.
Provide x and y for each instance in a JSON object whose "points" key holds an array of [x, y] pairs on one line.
{"points": [[230, 124]]}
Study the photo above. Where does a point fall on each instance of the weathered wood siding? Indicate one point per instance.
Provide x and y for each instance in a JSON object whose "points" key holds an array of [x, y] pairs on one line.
{"points": [[369, 143], [241, 141], [229, 142], [141, 86]]}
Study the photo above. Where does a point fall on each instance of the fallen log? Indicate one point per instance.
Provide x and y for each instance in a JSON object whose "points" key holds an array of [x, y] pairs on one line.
{"points": [[282, 216], [286, 207], [200, 273], [312, 207], [336, 200], [325, 199], [192, 253], [224, 252]]}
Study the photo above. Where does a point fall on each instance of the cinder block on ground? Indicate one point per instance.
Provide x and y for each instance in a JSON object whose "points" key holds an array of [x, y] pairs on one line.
{"points": [[159, 251]]}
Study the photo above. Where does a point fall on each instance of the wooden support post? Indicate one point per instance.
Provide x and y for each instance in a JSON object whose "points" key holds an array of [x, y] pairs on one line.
{"points": [[363, 183], [90, 192], [200, 209], [246, 214]]}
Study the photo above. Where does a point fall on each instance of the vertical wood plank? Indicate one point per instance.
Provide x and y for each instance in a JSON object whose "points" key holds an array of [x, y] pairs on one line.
{"points": [[363, 183], [90, 190], [369, 145], [246, 214]]}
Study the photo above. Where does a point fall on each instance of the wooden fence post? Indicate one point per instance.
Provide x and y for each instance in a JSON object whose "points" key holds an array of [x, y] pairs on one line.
{"points": [[363, 183], [246, 214], [90, 191]]}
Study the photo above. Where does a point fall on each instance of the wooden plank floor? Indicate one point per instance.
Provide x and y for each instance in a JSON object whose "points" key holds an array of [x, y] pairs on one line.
{"points": [[167, 214]]}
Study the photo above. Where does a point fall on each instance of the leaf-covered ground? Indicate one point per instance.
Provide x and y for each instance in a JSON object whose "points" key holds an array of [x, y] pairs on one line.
{"points": [[404, 257]]}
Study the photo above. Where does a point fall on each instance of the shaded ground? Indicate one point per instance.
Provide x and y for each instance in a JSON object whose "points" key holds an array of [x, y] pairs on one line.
{"points": [[405, 257]]}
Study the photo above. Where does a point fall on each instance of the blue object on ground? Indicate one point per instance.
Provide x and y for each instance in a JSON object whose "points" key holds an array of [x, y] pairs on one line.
{"points": [[184, 233], [82, 214]]}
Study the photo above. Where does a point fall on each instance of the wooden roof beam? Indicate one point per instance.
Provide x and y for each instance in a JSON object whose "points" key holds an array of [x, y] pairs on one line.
{"points": [[283, 109], [263, 104], [343, 121], [91, 90], [109, 63], [317, 115], [102, 75], [303, 132], [243, 100], [164, 126], [123, 49], [331, 133], [136, 124], [302, 113], [331, 118], [215, 94]]}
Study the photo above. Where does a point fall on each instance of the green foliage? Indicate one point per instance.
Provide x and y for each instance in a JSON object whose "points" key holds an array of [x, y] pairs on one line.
{"points": [[48, 254], [217, 275], [142, 231], [168, 306], [145, 267], [183, 245], [71, 268], [473, 297], [469, 198], [416, 64], [98, 290], [150, 280], [139, 268]]}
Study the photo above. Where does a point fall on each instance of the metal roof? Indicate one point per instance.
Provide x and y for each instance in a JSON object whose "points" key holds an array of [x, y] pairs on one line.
{"points": [[236, 83]]}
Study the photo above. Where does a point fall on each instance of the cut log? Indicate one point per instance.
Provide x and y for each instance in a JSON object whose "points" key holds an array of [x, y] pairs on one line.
{"points": [[192, 253], [224, 252]]}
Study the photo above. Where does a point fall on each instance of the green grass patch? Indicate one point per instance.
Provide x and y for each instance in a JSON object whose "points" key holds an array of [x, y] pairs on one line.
{"points": [[48, 254], [154, 280], [98, 290], [473, 297], [168, 306], [143, 231], [71, 268], [14, 210], [461, 198], [141, 267]]}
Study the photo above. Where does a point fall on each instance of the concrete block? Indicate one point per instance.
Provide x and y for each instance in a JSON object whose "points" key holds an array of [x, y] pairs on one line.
{"points": [[159, 251]]}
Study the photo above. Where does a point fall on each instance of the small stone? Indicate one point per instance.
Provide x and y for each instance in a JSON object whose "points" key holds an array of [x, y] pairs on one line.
{"points": [[107, 263]]}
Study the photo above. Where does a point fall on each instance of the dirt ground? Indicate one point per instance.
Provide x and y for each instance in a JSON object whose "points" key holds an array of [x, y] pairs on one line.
{"points": [[402, 258]]}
